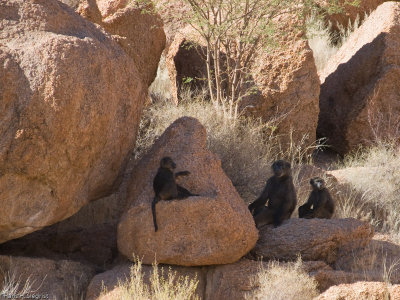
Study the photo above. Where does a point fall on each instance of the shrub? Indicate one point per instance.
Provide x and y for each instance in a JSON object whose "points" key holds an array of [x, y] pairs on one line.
{"points": [[284, 282], [161, 286]]}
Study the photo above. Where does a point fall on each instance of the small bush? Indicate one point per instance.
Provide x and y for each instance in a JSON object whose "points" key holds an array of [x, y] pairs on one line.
{"points": [[284, 282], [161, 286]]}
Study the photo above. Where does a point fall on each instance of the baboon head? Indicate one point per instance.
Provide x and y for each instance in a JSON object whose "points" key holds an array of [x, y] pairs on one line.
{"points": [[167, 163], [317, 183], [281, 168]]}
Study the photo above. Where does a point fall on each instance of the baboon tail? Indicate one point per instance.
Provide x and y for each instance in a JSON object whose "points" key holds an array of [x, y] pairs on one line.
{"points": [[153, 209]]}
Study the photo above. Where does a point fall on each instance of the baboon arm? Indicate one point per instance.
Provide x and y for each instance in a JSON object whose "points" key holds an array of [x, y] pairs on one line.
{"points": [[262, 200], [153, 210], [183, 173], [278, 216], [321, 203]]}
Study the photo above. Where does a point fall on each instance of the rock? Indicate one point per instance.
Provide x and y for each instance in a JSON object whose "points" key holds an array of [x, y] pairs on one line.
{"points": [[70, 109], [185, 64], [288, 85], [49, 279], [136, 29], [173, 14], [359, 95], [213, 228], [234, 281], [240, 280], [313, 239], [349, 12], [110, 279], [362, 290]]}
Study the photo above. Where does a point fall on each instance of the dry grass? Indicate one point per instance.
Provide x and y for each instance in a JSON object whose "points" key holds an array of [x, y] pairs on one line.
{"points": [[245, 146], [284, 282], [161, 286], [13, 287], [324, 42], [374, 176]]}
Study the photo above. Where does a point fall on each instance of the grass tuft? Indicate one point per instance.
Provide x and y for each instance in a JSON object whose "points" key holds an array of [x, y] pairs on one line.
{"points": [[284, 282], [168, 286]]}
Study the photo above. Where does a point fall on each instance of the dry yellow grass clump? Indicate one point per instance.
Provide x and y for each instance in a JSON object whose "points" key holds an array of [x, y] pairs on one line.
{"points": [[284, 281], [374, 174], [160, 286]]}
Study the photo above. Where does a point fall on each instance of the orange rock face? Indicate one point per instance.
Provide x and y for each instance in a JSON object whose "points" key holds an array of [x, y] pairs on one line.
{"points": [[213, 228], [359, 99], [362, 290], [289, 89], [70, 104], [137, 30], [314, 239]]}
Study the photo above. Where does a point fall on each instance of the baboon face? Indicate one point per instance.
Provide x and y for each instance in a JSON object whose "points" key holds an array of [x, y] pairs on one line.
{"points": [[281, 168], [167, 163], [317, 183]]}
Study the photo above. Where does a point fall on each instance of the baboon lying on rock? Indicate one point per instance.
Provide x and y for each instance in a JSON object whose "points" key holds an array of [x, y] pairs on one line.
{"points": [[281, 194], [165, 187], [320, 200]]}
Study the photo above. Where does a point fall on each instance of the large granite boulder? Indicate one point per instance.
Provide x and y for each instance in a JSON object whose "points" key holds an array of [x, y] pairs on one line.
{"points": [[362, 290], [136, 28], [288, 84], [359, 101], [70, 106], [213, 228], [313, 239]]}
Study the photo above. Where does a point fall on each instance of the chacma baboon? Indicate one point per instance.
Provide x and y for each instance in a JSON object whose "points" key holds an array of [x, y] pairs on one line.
{"points": [[320, 200], [165, 187], [281, 194]]}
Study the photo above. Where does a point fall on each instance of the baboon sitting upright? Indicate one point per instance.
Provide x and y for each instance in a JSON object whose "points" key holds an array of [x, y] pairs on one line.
{"points": [[281, 194], [320, 200], [165, 187]]}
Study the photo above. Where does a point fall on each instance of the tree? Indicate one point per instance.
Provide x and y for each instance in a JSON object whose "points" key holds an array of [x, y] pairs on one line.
{"points": [[234, 31]]}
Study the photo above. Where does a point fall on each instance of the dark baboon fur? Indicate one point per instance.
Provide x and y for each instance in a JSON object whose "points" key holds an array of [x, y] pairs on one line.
{"points": [[281, 194], [165, 187], [320, 200]]}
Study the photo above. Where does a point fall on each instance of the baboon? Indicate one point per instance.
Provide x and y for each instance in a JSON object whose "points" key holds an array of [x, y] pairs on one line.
{"points": [[320, 200], [281, 194], [165, 187]]}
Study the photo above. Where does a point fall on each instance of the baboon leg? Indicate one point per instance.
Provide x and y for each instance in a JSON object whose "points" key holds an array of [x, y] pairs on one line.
{"points": [[306, 212], [153, 209], [282, 217], [183, 193], [323, 214], [266, 216], [258, 210]]}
